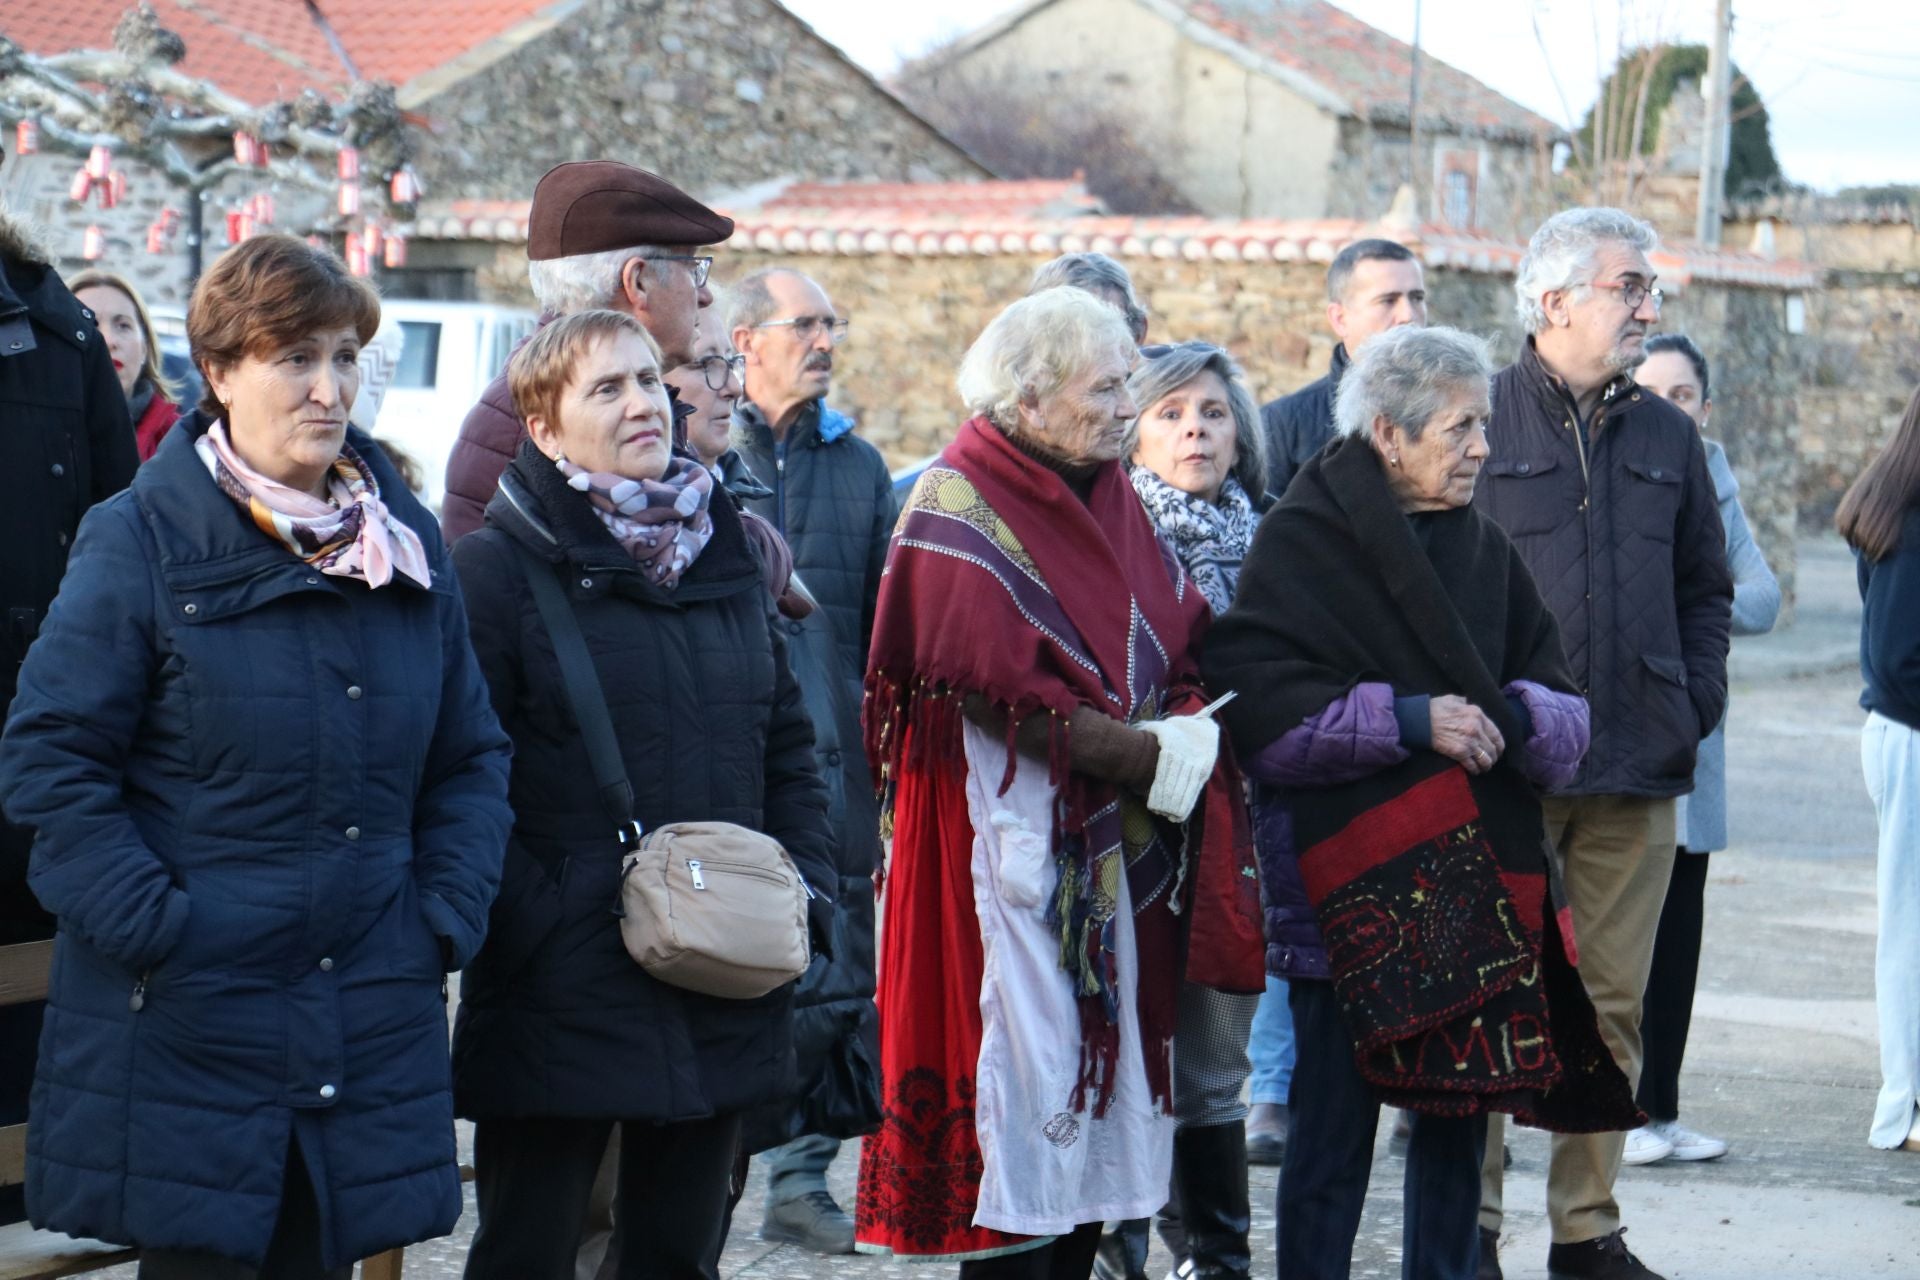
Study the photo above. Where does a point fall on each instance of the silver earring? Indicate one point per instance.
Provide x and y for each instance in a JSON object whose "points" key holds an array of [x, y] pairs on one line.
{"points": [[1394, 460]]}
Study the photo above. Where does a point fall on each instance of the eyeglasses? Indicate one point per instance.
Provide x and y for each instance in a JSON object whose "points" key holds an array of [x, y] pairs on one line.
{"points": [[1633, 293], [807, 328], [717, 369], [699, 266]]}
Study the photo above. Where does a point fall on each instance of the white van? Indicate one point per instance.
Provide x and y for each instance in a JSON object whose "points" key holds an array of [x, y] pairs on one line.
{"points": [[453, 350]]}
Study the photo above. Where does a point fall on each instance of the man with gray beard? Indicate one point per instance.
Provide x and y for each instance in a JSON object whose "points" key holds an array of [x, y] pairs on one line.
{"points": [[1603, 487]]}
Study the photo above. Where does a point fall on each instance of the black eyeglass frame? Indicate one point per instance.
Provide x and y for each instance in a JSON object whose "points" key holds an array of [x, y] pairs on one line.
{"points": [[733, 365], [804, 327]]}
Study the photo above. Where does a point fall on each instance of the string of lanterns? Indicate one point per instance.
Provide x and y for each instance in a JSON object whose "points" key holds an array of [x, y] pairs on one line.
{"points": [[369, 243]]}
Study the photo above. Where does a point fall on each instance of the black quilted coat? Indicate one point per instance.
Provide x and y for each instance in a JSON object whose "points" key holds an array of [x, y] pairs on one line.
{"points": [[831, 495], [556, 1020], [1623, 537]]}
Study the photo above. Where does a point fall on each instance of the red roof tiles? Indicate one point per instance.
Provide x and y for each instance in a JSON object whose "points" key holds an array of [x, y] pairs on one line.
{"points": [[265, 50], [931, 232], [1366, 66]]}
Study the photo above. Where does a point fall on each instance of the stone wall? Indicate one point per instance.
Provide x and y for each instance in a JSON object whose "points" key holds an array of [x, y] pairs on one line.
{"points": [[914, 317], [716, 94], [1863, 365], [1513, 187]]}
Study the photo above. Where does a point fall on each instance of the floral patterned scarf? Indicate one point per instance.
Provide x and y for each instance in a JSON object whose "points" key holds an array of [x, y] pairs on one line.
{"points": [[1210, 538], [662, 523], [348, 534]]}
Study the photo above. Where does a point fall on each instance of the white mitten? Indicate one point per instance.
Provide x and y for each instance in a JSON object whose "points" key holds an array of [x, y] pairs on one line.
{"points": [[1188, 748]]}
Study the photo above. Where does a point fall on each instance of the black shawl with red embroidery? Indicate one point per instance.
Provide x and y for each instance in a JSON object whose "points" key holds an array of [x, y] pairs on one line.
{"points": [[1431, 884]]}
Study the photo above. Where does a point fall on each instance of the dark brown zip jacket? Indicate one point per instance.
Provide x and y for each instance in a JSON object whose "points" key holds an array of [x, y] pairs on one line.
{"points": [[1623, 537]]}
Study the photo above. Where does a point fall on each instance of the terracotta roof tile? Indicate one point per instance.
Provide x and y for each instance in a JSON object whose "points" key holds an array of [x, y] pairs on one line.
{"points": [[936, 232], [264, 50], [1366, 66]]}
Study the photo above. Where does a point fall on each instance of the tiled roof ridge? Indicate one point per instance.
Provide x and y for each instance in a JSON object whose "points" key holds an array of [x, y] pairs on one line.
{"points": [[878, 232]]}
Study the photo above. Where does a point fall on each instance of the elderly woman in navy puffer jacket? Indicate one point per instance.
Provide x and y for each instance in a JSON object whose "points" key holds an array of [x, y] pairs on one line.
{"points": [[271, 797]]}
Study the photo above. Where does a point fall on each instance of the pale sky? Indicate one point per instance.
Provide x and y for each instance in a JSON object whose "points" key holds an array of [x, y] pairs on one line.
{"points": [[1840, 78]]}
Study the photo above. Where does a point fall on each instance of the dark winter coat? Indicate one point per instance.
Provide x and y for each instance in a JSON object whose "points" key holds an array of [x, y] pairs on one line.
{"points": [[69, 445], [556, 1019], [271, 807], [1890, 628], [1299, 425], [833, 500], [1623, 537]]}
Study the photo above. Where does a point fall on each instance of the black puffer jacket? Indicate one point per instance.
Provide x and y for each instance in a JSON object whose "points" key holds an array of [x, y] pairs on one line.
{"points": [[555, 1018], [69, 445], [1299, 425], [1623, 537], [833, 499]]}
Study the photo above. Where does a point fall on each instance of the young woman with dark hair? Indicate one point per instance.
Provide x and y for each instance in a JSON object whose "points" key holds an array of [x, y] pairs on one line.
{"points": [[1880, 519]]}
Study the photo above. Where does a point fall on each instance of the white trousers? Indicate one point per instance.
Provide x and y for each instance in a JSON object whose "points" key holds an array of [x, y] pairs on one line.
{"points": [[1890, 757]]}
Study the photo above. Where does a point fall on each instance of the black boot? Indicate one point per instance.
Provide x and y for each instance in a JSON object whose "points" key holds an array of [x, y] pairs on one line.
{"points": [[1210, 1181], [1123, 1252]]}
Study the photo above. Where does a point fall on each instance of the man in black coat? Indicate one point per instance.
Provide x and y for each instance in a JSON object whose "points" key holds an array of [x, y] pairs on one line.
{"points": [[69, 445], [1603, 487], [832, 497], [1372, 286]]}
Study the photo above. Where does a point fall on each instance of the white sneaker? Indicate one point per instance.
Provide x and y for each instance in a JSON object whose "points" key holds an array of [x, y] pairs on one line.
{"points": [[1646, 1145], [1688, 1145]]}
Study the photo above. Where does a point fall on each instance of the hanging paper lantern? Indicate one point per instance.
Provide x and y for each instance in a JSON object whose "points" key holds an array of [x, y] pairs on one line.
{"points": [[349, 199], [100, 162], [82, 183], [260, 208], [116, 187], [262, 156], [357, 257], [405, 187], [93, 246], [26, 137], [370, 239], [246, 149], [349, 163], [156, 238], [396, 255]]}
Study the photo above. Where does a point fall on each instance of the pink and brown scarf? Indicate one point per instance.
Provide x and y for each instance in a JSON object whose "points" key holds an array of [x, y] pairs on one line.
{"points": [[348, 534]]}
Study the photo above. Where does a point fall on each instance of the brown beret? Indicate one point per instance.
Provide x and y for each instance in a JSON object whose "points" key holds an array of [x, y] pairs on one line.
{"points": [[590, 206]]}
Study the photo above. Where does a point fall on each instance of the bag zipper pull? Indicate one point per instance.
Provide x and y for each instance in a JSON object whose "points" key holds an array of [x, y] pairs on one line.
{"points": [[693, 869], [139, 1000]]}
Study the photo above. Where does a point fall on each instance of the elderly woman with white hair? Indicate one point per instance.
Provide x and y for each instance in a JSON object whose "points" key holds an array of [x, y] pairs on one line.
{"points": [[1403, 692], [1066, 831], [1195, 456]]}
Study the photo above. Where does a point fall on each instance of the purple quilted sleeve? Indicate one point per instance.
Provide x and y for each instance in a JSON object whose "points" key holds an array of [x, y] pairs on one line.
{"points": [[1553, 751], [1352, 736]]}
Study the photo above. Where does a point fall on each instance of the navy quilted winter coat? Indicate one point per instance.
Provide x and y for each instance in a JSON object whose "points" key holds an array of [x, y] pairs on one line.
{"points": [[271, 803], [556, 1019]]}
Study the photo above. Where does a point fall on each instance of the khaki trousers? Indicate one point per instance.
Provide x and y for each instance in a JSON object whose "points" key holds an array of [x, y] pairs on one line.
{"points": [[1617, 854]]}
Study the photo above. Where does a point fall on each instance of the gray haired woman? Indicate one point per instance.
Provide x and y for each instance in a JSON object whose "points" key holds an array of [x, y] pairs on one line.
{"points": [[1196, 460]]}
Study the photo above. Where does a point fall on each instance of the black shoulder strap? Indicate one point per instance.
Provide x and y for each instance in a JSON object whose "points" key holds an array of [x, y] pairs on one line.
{"points": [[583, 689]]}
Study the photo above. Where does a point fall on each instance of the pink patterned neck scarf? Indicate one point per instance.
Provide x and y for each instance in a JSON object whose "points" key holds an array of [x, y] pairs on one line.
{"points": [[349, 533], [663, 524]]}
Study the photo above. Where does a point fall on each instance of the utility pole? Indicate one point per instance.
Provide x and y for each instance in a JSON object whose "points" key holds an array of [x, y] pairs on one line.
{"points": [[1415, 169], [1714, 146]]}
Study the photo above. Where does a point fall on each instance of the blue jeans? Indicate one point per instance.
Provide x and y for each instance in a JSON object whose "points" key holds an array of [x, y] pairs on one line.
{"points": [[1323, 1181], [1271, 1045], [799, 1167]]}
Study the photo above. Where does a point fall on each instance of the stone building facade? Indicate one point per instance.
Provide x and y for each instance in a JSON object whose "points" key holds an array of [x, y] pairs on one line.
{"points": [[918, 295], [720, 95], [1263, 110]]}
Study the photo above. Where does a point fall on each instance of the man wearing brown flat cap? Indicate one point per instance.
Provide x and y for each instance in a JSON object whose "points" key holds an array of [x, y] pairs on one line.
{"points": [[601, 234]]}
